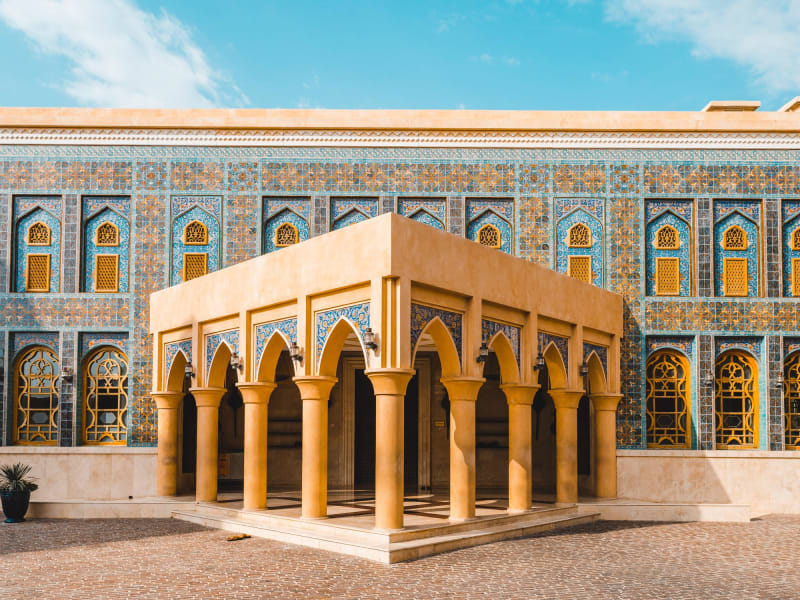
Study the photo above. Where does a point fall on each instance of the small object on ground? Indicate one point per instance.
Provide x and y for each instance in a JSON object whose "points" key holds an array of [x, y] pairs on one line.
{"points": [[237, 537]]}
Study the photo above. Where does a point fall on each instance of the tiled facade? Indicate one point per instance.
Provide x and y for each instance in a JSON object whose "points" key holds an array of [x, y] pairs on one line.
{"points": [[531, 195]]}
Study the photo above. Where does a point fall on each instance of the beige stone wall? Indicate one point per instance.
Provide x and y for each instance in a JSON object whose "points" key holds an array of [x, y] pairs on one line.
{"points": [[87, 473], [768, 481]]}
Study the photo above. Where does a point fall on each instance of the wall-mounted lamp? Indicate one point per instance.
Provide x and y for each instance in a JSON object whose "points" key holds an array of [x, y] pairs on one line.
{"points": [[237, 362], [483, 353], [295, 353], [369, 339], [66, 373], [708, 380], [540, 364], [778, 383], [188, 370], [583, 369]]}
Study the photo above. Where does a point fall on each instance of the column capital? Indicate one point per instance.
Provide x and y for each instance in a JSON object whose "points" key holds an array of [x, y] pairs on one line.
{"points": [[566, 398], [605, 401], [315, 387], [390, 381], [519, 394], [167, 400], [256, 392], [207, 397], [463, 388]]}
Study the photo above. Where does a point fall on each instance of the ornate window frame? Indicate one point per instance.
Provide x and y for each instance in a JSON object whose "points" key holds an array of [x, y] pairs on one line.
{"points": [[97, 241], [194, 254], [22, 388], [96, 433], [204, 229], [589, 238], [28, 284], [746, 389], [676, 234], [493, 228], [682, 388], [48, 238], [661, 262], [727, 264], [732, 248], [97, 289], [575, 258], [294, 229]]}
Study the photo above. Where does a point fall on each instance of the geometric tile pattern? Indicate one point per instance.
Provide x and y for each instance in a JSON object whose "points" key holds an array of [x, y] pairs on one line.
{"points": [[746, 215], [422, 314], [560, 343], [357, 315], [595, 250], [600, 351], [678, 215], [214, 341], [489, 328], [171, 351], [264, 331]]}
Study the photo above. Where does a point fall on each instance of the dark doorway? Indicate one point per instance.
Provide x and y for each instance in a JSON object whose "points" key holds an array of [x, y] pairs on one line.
{"points": [[364, 459], [543, 446], [584, 437], [411, 435], [189, 441]]}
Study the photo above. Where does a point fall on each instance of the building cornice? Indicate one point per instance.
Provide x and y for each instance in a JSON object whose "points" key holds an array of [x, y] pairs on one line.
{"points": [[473, 129]]}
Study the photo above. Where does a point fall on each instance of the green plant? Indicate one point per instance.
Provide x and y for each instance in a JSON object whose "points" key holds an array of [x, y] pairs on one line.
{"points": [[14, 478]]}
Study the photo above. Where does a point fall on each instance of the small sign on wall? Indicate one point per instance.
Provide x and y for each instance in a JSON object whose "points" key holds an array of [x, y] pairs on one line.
{"points": [[440, 424], [223, 465]]}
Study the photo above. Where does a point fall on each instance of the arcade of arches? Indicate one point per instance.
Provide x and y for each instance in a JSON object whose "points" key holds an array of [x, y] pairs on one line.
{"points": [[348, 362]]}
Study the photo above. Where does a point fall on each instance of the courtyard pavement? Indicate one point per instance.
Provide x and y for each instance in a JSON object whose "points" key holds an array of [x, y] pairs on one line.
{"points": [[138, 558]]}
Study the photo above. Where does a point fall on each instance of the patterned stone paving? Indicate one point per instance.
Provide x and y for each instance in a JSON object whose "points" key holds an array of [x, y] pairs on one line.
{"points": [[133, 558]]}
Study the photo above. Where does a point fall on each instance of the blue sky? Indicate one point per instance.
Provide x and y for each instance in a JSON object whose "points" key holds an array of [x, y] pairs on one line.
{"points": [[506, 54]]}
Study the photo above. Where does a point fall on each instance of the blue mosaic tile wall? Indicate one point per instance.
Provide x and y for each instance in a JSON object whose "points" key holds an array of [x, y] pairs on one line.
{"points": [[247, 192]]}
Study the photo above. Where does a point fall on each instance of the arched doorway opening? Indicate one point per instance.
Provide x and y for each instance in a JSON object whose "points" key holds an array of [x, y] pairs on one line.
{"points": [[491, 434]]}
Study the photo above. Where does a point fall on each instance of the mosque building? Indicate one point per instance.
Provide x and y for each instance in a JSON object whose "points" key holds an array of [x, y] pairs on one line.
{"points": [[538, 306]]}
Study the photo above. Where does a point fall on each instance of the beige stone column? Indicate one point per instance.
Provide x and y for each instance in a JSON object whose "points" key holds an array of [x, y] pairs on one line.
{"points": [[390, 394], [520, 467], [566, 403], [256, 403], [462, 392], [207, 401], [605, 428], [314, 392], [167, 404]]}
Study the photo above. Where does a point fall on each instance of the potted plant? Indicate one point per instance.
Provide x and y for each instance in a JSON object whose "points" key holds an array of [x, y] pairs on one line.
{"points": [[15, 491]]}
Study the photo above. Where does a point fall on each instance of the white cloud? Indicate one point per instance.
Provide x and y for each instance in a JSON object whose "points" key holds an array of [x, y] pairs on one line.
{"points": [[511, 61], [763, 36], [122, 56], [486, 59]]}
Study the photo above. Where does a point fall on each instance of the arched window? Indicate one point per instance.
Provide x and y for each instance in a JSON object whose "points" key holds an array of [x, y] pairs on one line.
{"points": [[36, 397], [734, 238], [286, 235], [791, 399], [490, 236], [796, 239], [105, 397], [195, 234], [107, 235], [38, 234], [736, 401], [667, 238], [580, 236], [668, 420]]}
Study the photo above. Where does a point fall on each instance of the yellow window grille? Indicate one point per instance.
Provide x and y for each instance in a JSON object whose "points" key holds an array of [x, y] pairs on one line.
{"points": [[107, 235], [735, 276], [580, 236], [796, 239], [734, 238], [195, 234], [668, 400], [38, 234], [489, 235], [736, 401], [791, 399], [105, 406], [796, 277], [194, 265], [667, 238], [36, 398], [37, 273], [286, 235], [107, 273], [668, 276], [580, 267]]}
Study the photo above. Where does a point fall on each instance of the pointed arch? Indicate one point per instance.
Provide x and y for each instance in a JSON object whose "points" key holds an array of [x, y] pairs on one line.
{"points": [[176, 372], [734, 238], [667, 237], [736, 402], [329, 356], [353, 215], [555, 366], [423, 216], [597, 375], [218, 367], [268, 361], [509, 369], [445, 347]]}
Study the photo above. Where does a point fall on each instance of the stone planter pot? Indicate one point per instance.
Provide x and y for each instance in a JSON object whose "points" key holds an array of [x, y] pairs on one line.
{"points": [[15, 505]]}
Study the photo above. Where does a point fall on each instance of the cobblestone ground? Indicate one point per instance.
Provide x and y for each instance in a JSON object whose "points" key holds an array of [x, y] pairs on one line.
{"points": [[171, 559]]}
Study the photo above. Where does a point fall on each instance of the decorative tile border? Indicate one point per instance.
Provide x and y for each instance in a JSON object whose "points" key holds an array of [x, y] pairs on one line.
{"points": [[422, 314], [602, 354], [213, 341], [90, 341], [264, 331], [356, 314], [489, 328], [684, 344], [22, 340], [171, 351], [752, 345], [561, 344]]}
